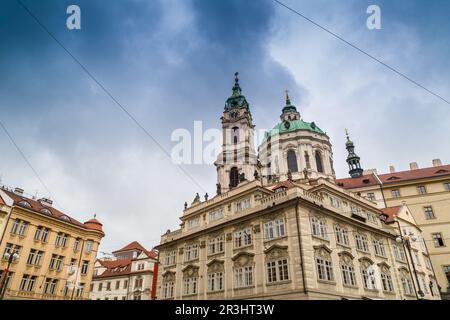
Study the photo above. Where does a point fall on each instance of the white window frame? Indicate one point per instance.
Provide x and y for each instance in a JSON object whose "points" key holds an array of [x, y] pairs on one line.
{"points": [[243, 238]]}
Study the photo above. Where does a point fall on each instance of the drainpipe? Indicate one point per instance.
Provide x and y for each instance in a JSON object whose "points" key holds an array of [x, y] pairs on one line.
{"points": [[305, 287], [155, 278]]}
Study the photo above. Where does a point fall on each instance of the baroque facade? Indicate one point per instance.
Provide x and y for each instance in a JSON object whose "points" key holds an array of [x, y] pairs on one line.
{"points": [[280, 227], [53, 253]]}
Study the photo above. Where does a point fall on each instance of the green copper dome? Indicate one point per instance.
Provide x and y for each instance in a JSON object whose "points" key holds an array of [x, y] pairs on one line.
{"points": [[294, 125]]}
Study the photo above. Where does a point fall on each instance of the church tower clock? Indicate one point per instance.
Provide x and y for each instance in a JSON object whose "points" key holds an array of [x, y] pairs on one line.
{"points": [[238, 161]]}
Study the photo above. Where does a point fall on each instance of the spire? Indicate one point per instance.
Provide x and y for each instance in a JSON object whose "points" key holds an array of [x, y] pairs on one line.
{"points": [[353, 159], [289, 111], [237, 100], [288, 100]]}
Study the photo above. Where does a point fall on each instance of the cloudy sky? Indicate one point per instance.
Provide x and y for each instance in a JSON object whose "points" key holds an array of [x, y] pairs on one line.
{"points": [[171, 62]]}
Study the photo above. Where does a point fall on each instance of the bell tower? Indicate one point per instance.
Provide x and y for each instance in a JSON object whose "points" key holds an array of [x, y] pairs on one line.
{"points": [[238, 161], [353, 159]]}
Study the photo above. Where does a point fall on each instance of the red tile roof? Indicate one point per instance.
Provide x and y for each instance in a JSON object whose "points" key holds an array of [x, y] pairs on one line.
{"points": [[363, 181], [136, 246], [391, 212], [1, 200], [36, 206], [283, 184], [115, 268], [415, 174]]}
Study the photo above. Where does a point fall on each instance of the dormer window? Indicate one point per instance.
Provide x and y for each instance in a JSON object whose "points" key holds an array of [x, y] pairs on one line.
{"points": [[46, 211], [25, 204], [66, 218]]}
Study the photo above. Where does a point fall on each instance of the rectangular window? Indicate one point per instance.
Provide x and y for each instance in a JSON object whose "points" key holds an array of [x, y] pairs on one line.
{"points": [[379, 248], [53, 262], [190, 286], [386, 281], [15, 226], [335, 202], [319, 227], [37, 234], [324, 269], [27, 283], [117, 284], [194, 222], [395, 193], [76, 245], [216, 215], [416, 258], [171, 257], [89, 246], [8, 278], [427, 262], [11, 249], [31, 256], [421, 190], [437, 239], [371, 196], [100, 286], [243, 277], [399, 253], [243, 238], [274, 229], [341, 236], [429, 214], [64, 240], [191, 252], [447, 186], [243, 205], [45, 232], [58, 239], [85, 267], [215, 281], [361, 242], [79, 290], [108, 286], [277, 271], [23, 228], [216, 245], [357, 211], [348, 275], [168, 289]]}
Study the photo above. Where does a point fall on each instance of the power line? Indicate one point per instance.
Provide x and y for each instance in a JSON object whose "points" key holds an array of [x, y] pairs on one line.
{"points": [[363, 52], [132, 118], [28, 162]]}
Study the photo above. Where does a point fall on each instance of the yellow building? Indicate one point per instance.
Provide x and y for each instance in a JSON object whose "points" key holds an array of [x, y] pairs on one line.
{"points": [[55, 254], [426, 191]]}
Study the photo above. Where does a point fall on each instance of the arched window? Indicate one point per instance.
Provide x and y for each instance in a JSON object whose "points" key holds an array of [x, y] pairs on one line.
{"points": [[319, 162], [235, 135], [234, 177], [292, 161], [386, 279], [368, 275], [308, 164], [348, 270], [406, 282], [324, 265]]}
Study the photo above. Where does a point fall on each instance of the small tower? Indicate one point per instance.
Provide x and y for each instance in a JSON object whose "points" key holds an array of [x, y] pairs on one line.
{"points": [[289, 111], [353, 159], [238, 161]]}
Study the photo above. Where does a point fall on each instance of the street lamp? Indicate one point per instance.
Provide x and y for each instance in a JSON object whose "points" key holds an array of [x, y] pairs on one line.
{"points": [[406, 240], [10, 257]]}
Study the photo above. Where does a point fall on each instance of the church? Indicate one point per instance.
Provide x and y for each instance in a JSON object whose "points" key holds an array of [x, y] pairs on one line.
{"points": [[280, 227]]}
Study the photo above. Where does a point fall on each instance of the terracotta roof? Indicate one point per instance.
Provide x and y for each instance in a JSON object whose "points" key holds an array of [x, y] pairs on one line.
{"points": [[391, 212], [363, 181], [136, 246], [1, 200], [415, 174], [36, 206], [115, 268], [94, 224], [283, 184]]}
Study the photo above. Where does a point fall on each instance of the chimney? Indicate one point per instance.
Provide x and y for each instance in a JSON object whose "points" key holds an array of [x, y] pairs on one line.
{"points": [[18, 191], [391, 169], [437, 162], [370, 171], [45, 202], [413, 166]]}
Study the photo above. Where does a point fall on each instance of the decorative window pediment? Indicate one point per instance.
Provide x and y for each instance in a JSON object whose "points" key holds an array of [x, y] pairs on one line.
{"points": [[190, 271], [384, 267], [168, 276], [393, 178], [243, 259], [215, 265], [365, 260], [322, 249], [276, 251], [346, 256]]}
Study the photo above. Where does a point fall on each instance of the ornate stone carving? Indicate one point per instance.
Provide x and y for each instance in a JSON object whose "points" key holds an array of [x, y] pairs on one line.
{"points": [[257, 228]]}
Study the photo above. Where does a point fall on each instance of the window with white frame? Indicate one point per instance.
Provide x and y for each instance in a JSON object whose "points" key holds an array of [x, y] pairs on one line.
{"points": [[277, 271], [215, 281], [50, 286], [379, 248], [371, 196], [35, 257], [395, 193], [319, 227], [421, 190], [191, 252], [447, 186], [324, 265], [341, 235], [424, 284], [193, 222], [89, 246], [19, 227], [429, 213], [274, 229], [190, 285], [357, 211], [85, 267], [242, 205], [76, 244], [168, 289], [243, 277], [27, 283], [216, 245], [171, 258], [216, 214], [407, 284], [416, 258], [373, 218], [368, 275], [427, 262], [399, 253], [12, 248], [386, 279], [243, 238], [348, 271], [362, 242]]}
